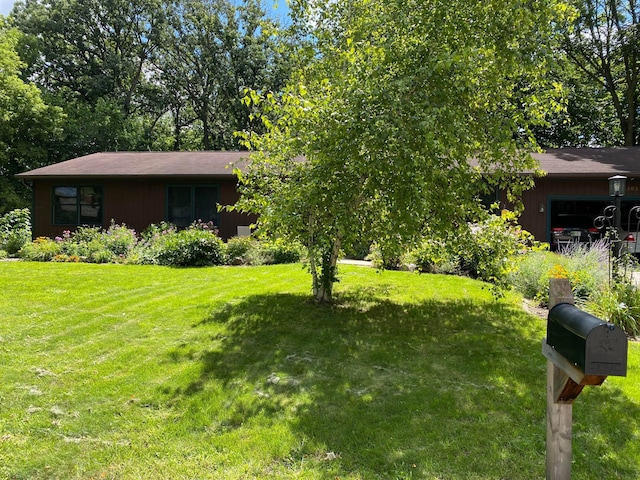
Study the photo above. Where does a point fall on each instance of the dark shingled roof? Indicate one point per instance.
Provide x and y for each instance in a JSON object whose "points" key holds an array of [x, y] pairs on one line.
{"points": [[590, 162], [562, 162], [143, 164]]}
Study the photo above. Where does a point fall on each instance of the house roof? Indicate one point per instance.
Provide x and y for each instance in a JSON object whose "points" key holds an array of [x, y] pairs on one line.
{"points": [[590, 162], [143, 164], [562, 162]]}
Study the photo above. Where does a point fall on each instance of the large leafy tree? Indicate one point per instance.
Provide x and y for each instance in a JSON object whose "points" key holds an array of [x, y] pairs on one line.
{"points": [[603, 44], [149, 74], [28, 126], [589, 118], [92, 58], [212, 52], [398, 107]]}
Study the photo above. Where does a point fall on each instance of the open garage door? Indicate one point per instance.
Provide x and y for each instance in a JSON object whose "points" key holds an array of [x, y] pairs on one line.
{"points": [[573, 220]]}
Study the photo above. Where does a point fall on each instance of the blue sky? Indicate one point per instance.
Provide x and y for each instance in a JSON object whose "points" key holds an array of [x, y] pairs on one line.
{"points": [[5, 6], [280, 12]]}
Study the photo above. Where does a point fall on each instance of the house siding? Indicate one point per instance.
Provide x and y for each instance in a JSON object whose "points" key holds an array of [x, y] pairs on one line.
{"points": [[547, 190], [137, 203]]}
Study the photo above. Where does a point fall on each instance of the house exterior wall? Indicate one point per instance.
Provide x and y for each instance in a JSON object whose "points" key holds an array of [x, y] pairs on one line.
{"points": [[137, 203], [548, 190]]}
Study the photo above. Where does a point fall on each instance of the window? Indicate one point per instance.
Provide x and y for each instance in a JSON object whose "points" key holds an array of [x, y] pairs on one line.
{"points": [[77, 205], [186, 204]]}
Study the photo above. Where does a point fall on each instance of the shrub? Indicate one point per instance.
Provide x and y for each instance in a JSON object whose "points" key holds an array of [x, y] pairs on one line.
{"points": [[119, 239], [3, 254], [280, 251], [15, 230], [434, 256], [192, 247], [271, 252], [147, 249], [489, 248], [83, 234], [238, 249], [154, 231], [42, 249], [530, 275], [586, 267]]}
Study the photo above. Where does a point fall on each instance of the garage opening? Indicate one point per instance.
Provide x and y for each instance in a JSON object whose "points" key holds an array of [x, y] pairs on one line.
{"points": [[573, 220]]}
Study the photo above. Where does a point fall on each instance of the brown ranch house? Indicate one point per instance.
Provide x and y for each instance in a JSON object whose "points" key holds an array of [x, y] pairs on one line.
{"points": [[137, 189], [141, 188]]}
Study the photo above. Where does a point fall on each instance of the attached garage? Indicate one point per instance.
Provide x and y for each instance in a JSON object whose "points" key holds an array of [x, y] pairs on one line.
{"points": [[575, 189]]}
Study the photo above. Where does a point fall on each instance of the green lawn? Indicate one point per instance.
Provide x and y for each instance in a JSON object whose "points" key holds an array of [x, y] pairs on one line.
{"points": [[111, 371]]}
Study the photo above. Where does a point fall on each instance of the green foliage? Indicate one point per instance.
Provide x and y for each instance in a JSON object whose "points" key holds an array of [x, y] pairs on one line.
{"points": [[149, 75], [42, 249], [161, 244], [15, 230], [192, 247], [586, 267], [530, 276], [86, 243], [435, 256], [600, 45], [619, 304], [486, 250], [237, 250], [390, 103], [277, 251], [119, 239], [249, 251], [28, 126]]}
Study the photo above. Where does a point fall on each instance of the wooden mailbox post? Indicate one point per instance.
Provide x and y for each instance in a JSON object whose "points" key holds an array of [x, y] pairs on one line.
{"points": [[581, 350]]}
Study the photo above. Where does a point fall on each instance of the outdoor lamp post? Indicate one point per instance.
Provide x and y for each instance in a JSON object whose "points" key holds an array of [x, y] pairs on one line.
{"points": [[617, 188]]}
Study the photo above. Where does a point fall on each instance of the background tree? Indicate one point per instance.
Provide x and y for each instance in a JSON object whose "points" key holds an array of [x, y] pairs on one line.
{"points": [[603, 43], [149, 74], [28, 127], [213, 51], [91, 58], [390, 102], [589, 118]]}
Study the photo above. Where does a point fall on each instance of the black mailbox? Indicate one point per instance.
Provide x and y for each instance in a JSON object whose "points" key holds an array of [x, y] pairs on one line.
{"points": [[594, 346]]}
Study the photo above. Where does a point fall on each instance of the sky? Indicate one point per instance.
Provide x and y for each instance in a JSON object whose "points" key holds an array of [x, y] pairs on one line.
{"points": [[279, 13], [5, 6]]}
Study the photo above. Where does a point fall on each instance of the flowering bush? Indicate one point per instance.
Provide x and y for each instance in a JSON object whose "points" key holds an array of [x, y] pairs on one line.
{"points": [[586, 267], [159, 244], [119, 239], [42, 249], [86, 243], [486, 250]]}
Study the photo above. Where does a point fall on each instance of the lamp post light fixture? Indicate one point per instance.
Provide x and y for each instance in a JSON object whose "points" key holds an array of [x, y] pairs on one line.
{"points": [[617, 186], [617, 189]]}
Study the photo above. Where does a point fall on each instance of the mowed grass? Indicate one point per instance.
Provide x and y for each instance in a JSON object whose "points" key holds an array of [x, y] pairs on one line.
{"points": [[127, 372]]}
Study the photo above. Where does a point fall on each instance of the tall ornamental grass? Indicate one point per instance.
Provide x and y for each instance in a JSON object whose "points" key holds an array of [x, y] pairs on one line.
{"points": [[601, 285]]}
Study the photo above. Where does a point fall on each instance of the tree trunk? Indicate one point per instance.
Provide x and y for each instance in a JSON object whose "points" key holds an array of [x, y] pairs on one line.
{"points": [[324, 279]]}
